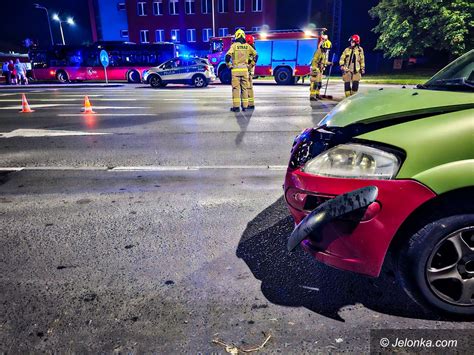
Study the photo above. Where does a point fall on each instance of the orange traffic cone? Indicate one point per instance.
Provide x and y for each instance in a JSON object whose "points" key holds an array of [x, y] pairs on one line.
{"points": [[87, 105], [25, 107]]}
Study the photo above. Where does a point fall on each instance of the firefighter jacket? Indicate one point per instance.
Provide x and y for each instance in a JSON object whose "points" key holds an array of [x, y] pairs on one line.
{"points": [[353, 59], [241, 54], [319, 60]]}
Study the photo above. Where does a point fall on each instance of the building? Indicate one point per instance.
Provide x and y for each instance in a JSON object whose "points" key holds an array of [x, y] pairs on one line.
{"points": [[191, 23], [108, 20]]}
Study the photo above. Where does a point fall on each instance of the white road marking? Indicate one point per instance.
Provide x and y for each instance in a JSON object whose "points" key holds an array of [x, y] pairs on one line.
{"points": [[29, 133], [33, 106], [146, 168], [95, 107], [105, 114]]}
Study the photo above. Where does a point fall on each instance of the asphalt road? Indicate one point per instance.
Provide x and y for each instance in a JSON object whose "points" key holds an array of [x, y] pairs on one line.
{"points": [[158, 224]]}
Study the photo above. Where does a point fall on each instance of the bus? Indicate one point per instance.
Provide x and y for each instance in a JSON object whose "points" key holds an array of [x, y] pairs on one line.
{"points": [[128, 61], [284, 54]]}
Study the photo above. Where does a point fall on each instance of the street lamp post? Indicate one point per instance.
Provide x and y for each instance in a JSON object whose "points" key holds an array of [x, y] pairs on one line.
{"points": [[69, 21], [38, 6]]}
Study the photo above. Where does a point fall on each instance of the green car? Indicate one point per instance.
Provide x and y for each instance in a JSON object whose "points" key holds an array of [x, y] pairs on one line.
{"points": [[393, 170]]}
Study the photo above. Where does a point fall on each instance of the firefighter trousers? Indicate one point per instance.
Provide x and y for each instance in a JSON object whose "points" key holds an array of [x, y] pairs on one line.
{"points": [[240, 83], [250, 90], [351, 82], [316, 82]]}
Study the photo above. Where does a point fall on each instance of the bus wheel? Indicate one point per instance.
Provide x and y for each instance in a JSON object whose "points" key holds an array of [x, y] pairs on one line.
{"points": [[155, 81], [199, 81], [133, 76], [283, 76], [62, 76], [225, 76]]}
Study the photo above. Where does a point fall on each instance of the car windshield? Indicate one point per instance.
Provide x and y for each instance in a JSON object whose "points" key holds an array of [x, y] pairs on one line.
{"points": [[458, 75]]}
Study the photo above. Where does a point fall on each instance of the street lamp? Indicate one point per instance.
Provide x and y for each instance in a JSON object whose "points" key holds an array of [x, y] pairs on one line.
{"points": [[38, 6], [69, 21]]}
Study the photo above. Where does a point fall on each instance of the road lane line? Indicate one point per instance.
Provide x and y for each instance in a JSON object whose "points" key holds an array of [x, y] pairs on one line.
{"points": [[105, 114], [29, 133], [34, 106], [158, 168]]}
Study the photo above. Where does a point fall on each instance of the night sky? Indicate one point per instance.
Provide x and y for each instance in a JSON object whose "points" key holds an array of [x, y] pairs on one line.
{"points": [[24, 21]]}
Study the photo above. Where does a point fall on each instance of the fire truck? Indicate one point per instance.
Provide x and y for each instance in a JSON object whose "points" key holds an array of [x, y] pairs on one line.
{"points": [[286, 55]]}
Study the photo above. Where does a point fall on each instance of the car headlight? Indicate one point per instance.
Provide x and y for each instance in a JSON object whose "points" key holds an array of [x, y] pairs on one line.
{"points": [[354, 161]]}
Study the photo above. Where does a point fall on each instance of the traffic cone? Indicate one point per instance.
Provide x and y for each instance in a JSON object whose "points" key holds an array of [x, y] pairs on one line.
{"points": [[87, 105], [25, 107]]}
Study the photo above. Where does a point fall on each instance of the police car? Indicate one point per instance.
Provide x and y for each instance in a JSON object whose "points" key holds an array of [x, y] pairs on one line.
{"points": [[192, 71]]}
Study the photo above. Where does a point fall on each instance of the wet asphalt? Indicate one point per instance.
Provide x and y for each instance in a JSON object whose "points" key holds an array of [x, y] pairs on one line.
{"points": [[168, 229]]}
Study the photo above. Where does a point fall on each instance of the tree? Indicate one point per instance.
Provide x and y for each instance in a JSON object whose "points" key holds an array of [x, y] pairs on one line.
{"points": [[408, 27]]}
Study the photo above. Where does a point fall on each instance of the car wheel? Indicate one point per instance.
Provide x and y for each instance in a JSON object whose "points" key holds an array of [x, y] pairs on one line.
{"points": [[133, 76], [436, 265], [155, 81], [62, 76], [283, 76], [225, 76], [199, 81]]}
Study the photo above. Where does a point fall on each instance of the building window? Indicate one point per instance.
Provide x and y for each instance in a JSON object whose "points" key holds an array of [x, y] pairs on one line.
{"points": [[158, 8], [223, 32], [191, 35], [206, 34], [124, 33], [239, 5], [159, 35], [206, 6], [190, 7], [144, 36], [256, 28], [257, 5], [141, 9], [175, 35], [121, 6], [174, 7], [223, 6]]}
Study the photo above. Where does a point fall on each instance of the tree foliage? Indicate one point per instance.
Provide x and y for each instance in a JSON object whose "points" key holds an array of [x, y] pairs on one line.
{"points": [[408, 27]]}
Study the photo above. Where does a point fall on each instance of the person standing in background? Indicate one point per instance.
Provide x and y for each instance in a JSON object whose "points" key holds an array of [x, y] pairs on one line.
{"points": [[6, 73]]}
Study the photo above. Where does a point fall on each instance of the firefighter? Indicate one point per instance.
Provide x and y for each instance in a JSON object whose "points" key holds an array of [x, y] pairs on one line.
{"points": [[253, 61], [241, 55], [318, 64], [352, 64]]}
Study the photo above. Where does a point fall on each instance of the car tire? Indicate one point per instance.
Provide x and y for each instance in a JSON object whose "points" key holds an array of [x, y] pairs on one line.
{"points": [[442, 246], [283, 76], [198, 81], [133, 76], [225, 76], [62, 76], [155, 81]]}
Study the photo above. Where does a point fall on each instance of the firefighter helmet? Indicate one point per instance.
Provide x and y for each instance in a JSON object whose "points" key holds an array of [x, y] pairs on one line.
{"points": [[326, 44], [249, 39], [239, 34], [355, 38]]}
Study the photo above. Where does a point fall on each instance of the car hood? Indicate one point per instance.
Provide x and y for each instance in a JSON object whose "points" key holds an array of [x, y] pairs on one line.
{"points": [[391, 104]]}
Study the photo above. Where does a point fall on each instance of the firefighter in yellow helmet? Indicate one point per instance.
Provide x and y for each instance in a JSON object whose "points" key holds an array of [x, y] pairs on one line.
{"points": [[352, 64], [318, 64], [241, 54]]}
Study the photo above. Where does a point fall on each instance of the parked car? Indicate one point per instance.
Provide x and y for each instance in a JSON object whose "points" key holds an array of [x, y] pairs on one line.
{"points": [[393, 170], [192, 71]]}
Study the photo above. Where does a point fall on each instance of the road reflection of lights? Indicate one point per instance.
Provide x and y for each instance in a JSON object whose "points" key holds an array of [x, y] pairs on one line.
{"points": [[90, 120]]}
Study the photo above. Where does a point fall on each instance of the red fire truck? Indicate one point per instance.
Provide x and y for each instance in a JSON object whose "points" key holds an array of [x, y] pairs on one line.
{"points": [[286, 55]]}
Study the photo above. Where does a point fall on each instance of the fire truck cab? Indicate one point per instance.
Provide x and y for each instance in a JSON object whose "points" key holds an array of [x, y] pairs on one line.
{"points": [[286, 55]]}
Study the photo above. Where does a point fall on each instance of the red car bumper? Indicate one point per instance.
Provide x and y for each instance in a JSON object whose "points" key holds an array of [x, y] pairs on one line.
{"points": [[360, 247]]}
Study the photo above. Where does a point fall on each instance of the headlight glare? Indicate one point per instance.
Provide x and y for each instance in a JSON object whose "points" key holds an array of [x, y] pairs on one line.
{"points": [[354, 161]]}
